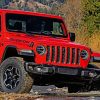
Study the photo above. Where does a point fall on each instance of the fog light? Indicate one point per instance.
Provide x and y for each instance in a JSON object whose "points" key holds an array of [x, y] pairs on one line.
{"points": [[44, 69], [38, 69]]}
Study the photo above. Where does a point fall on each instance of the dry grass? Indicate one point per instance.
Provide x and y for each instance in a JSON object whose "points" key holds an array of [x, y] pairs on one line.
{"points": [[72, 11], [13, 96], [94, 42]]}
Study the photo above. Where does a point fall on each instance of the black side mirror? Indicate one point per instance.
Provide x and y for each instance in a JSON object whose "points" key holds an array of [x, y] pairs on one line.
{"points": [[72, 36]]}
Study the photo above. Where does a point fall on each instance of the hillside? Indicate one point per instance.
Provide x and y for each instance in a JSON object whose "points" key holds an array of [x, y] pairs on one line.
{"points": [[82, 17], [46, 6]]}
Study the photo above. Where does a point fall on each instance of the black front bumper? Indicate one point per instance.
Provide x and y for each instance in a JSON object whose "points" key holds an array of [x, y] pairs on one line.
{"points": [[96, 59], [51, 70]]}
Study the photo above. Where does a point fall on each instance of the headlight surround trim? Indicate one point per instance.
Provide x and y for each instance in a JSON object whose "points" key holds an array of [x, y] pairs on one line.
{"points": [[41, 50], [84, 54]]}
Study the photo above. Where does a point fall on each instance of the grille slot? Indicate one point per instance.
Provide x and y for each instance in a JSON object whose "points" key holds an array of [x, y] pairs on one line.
{"points": [[73, 55], [58, 53], [48, 54], [78, 56], [53, 53], [68, 55], [64, 55]]}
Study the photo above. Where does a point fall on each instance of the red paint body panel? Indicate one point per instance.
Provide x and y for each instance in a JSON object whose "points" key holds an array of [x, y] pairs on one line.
{"points": [[22, 41], [94, 54]]}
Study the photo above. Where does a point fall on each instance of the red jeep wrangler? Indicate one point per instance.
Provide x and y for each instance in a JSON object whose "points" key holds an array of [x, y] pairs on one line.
{"points": [[36, 48]]}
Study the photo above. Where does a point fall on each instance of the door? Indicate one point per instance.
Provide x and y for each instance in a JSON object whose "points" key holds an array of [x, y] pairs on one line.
{"points": [[1, 39]]}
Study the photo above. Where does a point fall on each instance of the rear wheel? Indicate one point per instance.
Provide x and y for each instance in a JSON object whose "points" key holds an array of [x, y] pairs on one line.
{"points": [[13, 77]]}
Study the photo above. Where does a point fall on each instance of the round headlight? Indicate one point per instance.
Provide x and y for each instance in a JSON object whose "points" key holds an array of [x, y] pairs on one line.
{"points": [[84, 54], [41, 50]]}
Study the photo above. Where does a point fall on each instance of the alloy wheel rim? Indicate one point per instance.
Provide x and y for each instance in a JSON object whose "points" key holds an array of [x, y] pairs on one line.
{"points": [[11, 77]]}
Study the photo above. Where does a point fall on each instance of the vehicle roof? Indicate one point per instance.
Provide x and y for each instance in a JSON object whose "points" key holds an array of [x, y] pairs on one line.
{"points": [[29, 13]]}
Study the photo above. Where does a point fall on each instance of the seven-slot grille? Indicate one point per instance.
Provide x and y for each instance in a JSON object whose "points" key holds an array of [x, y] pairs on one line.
{"points": [[64, 55]]}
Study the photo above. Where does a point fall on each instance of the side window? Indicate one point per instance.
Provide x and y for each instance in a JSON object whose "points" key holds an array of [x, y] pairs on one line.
{"points": [[16, 25], [57, 29], [0, 23]]}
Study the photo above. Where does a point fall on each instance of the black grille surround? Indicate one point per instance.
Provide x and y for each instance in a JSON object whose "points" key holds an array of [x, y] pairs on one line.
{"points": [[64, 55]]}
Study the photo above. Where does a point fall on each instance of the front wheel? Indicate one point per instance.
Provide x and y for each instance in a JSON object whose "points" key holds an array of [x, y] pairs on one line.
{"points": [[13, 77]]}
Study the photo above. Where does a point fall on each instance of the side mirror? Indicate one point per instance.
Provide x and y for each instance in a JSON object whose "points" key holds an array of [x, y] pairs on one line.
{"points": [[72, 36]]}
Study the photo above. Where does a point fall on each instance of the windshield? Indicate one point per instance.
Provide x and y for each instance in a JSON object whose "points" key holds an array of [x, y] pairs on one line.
{"points": [[34, 25]]}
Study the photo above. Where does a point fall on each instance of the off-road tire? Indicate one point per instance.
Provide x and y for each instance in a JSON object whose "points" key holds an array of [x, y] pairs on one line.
{"points": [[22, 80]]}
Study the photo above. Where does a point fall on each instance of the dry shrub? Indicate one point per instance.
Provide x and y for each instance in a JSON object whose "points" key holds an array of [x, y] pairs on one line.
{"points": [[82, 36], [71, 11], [94, 41], [90, 40]]}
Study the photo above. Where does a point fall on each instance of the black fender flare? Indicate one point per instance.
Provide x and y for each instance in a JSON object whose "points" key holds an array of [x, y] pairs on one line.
{"points": [[4, 53]]}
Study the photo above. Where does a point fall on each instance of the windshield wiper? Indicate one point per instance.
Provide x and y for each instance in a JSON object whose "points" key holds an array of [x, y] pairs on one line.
{"points": [[23, 31], [33, 32], [16, 30]]}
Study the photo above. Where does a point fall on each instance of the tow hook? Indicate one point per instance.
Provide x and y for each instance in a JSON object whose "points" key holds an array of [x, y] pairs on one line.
{"points": [[86, 73], [91, 74]]}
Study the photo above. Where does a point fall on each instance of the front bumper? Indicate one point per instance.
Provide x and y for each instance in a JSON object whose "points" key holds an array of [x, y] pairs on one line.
{"points": [[51, 70], [95, 59]]}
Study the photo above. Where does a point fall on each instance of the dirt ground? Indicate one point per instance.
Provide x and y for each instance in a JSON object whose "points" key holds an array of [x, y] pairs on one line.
{"points": [[73, 96], [12, 96], [37, 93]]}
